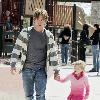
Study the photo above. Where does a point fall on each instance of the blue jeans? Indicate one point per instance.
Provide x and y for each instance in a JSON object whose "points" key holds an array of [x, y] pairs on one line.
{"points": [[64, 52], [98, 60], [34, 79], [95, 56]]}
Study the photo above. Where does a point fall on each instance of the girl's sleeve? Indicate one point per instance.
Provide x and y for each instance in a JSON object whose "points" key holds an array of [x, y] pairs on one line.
{"points": [[87, 85], [62, 80]]}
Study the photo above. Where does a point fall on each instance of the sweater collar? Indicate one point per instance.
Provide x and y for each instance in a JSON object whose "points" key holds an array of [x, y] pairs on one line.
{"points": [[78, 76]]}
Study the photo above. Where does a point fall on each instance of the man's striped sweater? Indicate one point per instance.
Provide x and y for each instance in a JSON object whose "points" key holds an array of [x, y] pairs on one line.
{"points": [[21, 47]]}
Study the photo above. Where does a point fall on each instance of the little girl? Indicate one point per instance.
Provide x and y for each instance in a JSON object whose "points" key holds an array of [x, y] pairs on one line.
{"points": [[79, 82]]}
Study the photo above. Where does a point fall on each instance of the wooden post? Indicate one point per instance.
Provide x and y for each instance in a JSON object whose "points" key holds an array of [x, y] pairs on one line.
{"points": [[74, 37], [21, 11], [1, 29]]}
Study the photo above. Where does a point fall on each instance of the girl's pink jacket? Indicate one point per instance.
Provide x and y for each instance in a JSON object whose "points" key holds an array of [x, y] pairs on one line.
{"points": [[79, 86]]}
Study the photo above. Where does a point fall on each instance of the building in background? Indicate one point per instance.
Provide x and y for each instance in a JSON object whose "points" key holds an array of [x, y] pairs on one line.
{"points": [[80, 18], [11, 14], [63, 13], [95, 12], [29, 7]]}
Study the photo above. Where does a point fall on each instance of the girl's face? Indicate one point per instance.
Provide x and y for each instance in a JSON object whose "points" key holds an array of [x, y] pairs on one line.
{"points": [[77, 69]]}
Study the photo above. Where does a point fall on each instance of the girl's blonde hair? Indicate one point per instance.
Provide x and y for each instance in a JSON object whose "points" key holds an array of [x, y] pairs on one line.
{"points": [[41, 12], [80, 63]]}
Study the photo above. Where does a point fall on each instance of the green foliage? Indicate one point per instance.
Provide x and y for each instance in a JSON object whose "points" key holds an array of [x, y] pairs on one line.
{"points": [[25, 22]]}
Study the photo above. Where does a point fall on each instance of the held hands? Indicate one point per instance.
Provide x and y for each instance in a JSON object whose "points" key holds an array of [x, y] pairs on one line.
{"points": [[13, 70], [56, 74], [57, 77], [86, 97]]}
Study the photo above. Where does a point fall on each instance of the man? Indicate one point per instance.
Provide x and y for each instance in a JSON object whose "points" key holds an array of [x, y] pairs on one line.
{"points": [[38, 54], [84, 41], [95, 48], [64, 40]]}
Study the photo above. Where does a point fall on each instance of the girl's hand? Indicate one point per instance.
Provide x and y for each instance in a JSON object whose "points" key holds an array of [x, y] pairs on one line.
{"points": [[86, 97], [57, 77], [13, 70]]}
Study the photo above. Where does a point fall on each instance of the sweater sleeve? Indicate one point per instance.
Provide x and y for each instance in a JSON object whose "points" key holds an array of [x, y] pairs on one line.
{"points": [[67, 78], [86, 82], [16, 50]]}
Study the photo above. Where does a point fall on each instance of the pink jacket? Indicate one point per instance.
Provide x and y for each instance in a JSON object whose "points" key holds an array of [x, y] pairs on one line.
{"points": [[79, 86]]}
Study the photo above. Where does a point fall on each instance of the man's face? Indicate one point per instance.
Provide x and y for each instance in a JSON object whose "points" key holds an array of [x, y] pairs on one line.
{"points": [[39, 23], [95, 28]]}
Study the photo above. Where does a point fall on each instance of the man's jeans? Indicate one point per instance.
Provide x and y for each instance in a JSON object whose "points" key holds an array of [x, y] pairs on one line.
{"points": [[64, 52], [34, 79], [95, 56], [98, 60]]}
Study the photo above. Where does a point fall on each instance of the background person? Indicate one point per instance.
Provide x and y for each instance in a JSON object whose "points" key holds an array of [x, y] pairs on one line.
{"points": [[64, 41], [95, 48], [84, 39]]}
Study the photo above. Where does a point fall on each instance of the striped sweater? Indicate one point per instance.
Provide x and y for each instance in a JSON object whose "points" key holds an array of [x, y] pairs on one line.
{"points": [[21, 47]]}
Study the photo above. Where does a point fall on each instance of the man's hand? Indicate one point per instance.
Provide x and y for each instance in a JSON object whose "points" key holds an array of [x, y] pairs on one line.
{"points": [[13, 70]]}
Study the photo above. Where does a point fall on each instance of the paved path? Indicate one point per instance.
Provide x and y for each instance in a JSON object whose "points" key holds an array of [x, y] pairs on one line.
{"points": [[11, 86], [61, 90]]}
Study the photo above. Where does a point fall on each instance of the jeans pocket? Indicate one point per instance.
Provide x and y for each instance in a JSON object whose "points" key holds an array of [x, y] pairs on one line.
{"points": [[41, 73], [26, 73]]}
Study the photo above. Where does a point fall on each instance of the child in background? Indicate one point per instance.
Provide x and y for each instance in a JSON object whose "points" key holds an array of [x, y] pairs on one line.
{"points": [[79, 82]]}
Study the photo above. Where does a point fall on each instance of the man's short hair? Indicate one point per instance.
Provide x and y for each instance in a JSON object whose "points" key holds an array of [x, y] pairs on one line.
{"points": [[41, 12], [96, 25]]}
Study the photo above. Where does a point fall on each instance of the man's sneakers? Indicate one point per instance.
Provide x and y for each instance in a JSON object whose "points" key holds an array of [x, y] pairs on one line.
{"points": [[93, 70], [64, 64]]}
